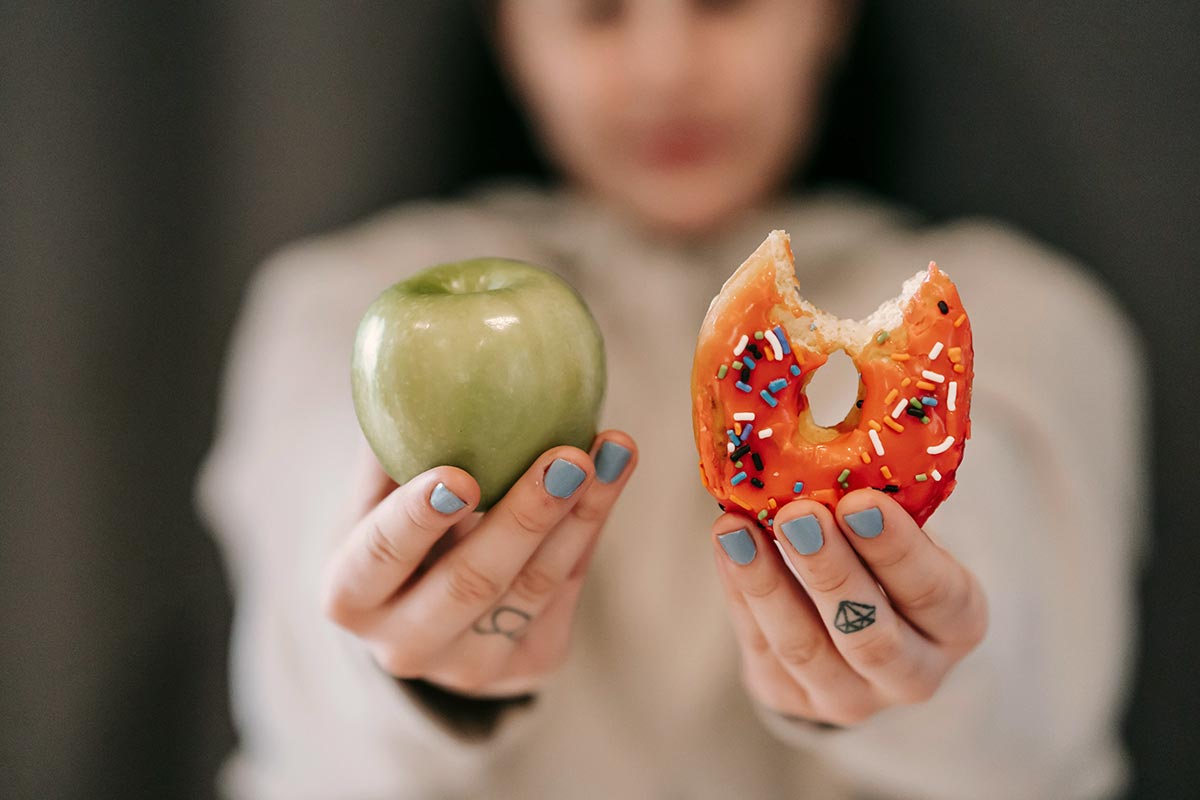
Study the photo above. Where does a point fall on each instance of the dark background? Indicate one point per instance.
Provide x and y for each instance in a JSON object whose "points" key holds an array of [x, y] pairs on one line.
{"points": [[152, 153]]}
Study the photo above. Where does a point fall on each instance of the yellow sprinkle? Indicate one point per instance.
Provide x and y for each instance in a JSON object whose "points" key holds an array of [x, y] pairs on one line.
{"points": [[887, 401], [906, 382], [887, 473], [891, 423], [771, 504], [874, 424], [866, 458], [961, 318], [740, 502], [769, 353], [959, 368], [955, 354], [737, 429], [926, 385], [900, 356], [703, 477]]}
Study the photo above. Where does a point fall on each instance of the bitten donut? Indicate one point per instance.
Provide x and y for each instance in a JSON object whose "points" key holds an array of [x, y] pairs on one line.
{"points": [[760, 344]]}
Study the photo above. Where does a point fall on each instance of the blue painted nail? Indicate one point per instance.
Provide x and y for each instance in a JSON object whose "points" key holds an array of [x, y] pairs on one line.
{"points": [[610, 461], [738, 545], [867, 523], [445, 501], [563, 478], [804, 533]]}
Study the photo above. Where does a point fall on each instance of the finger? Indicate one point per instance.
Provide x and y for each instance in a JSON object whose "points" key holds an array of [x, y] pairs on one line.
{"points": [[873, 639], [614, 456], [786, 616], [386, 546], [473, 574], [926, 584]]}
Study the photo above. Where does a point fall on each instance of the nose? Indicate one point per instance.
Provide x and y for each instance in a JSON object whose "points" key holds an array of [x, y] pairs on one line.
{"points": [[661, 55]]}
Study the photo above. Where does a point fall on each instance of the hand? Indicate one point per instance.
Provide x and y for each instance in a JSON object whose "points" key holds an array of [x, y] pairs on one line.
{"points": [[836, 649], [480, 604]]}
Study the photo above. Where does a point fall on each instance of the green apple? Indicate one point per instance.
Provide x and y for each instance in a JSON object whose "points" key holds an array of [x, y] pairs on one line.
{"points": [[482, 364]]}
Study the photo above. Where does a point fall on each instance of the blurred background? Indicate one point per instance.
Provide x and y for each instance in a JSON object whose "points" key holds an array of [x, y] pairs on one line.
{"points": [[151, 154]]}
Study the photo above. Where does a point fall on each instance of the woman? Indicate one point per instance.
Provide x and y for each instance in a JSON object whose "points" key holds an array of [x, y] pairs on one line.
{"points": [[408, 648]]}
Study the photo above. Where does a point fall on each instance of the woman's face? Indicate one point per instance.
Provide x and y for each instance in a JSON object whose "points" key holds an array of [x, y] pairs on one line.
{"points": [[678, 112]]}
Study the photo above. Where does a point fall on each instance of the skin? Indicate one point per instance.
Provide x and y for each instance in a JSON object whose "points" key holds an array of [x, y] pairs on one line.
{"points": [[679, 115]]}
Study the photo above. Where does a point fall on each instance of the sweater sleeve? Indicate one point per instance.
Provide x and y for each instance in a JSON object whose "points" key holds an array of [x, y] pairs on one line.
{"points": [[1050, 513], [317, 718]]}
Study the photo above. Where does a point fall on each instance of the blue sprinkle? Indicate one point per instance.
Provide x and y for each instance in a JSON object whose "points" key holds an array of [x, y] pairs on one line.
{"points": [[771, 401], [741, 476], [746, 431], [929, 401], [812, 326], [798, 487], [795, 370], [748, 361], [733, 437], [776, 385], [771, 522], [745, 387], [783, 342]]}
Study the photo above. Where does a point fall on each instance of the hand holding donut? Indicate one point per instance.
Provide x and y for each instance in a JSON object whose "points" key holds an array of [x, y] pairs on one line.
{"points": [[480, 604], [835, 648]]}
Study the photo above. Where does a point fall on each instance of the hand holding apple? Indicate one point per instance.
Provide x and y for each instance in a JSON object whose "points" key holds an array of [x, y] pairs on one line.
{"points": [[487, 614], [483, 365]]}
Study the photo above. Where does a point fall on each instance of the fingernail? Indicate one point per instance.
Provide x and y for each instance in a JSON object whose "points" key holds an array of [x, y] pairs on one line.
{"points": [[563, 478], [738, 545], [445, 501], [804, 533], [610, 461], [867, 523]]}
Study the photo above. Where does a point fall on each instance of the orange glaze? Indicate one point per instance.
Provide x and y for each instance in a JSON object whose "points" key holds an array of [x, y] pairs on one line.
{"points": [[798, 450]]}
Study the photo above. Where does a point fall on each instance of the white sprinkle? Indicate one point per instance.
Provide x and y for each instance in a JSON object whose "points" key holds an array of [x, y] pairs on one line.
{"points": [[875, 441], [901, 404], [952, 395], [744, 416], [938, 449], [765, 433], [774, 340], [937, 476], [741, 345], [936, 351], [729, 447], [933, 376]]}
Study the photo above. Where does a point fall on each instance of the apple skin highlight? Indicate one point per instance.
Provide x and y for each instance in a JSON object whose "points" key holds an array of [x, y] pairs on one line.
{"points": [[483, 365]]}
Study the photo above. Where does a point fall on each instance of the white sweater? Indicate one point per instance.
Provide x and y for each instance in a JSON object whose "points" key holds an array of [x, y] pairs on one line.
{"points": [[1049, 512]]}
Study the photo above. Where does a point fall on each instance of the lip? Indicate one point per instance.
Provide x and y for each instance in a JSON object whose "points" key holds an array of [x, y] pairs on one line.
{"points": [[678, 144]]}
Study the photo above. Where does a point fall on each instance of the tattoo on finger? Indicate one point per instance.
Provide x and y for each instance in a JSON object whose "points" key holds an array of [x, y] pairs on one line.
{"points": [[853, 616], [505, 620]]}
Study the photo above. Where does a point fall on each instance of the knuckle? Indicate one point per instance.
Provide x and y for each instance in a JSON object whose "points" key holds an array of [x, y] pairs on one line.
{"points": [[533, 583], [380, 547], [335, 608], [798, 653], [852, 714], [590, 511], [527, 520], [936, 593], [879, 651], [469, 586], [894, 559], [758, 644], [829, 582]]}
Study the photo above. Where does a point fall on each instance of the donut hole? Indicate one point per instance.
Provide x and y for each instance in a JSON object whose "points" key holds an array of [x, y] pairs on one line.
{"points": [[832, 390]]}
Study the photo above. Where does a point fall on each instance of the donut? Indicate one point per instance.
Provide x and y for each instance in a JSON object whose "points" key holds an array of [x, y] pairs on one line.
{"points": [[759, 346]]}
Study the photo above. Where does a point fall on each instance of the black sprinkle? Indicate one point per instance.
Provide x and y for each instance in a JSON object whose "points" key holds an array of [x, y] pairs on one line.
{"points": [[745, 375], [942, 307], [753, 348], [891, 488], [757, 459], [858, 404], [915, 412], [756, 483], [721, 506], [739, 452]]}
